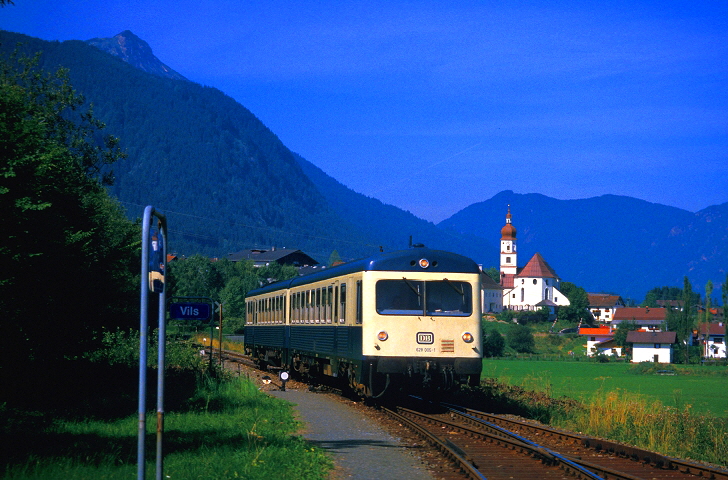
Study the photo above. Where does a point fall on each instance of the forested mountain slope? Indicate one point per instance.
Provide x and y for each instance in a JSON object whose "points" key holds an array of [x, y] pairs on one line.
{"points": [[394, 226], [225, 181]]}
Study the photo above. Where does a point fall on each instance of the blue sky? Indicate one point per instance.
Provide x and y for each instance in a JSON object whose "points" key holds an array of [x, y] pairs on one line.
{"points": [[433, 106]]}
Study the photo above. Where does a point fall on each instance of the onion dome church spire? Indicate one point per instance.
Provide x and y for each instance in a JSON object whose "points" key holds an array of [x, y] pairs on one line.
{"points": [[508, 257]]}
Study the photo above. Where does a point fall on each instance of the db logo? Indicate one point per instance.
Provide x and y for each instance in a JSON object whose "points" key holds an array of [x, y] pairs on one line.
{"points": [[425, 338]]}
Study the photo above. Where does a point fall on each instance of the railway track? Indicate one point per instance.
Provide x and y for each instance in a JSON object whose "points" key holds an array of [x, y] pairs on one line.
{"points": [[492, 446]]}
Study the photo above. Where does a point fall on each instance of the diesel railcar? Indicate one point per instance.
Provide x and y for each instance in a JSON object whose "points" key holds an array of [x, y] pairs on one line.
{"points": [[397, 319]]}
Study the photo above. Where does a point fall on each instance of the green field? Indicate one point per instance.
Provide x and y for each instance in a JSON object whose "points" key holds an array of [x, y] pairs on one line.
{"points": [[703, 389]]}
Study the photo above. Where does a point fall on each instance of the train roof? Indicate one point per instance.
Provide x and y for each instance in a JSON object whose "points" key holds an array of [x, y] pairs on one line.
{"points": [[398, 261]]}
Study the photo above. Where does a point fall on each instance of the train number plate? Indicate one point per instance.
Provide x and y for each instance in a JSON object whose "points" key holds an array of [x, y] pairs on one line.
{"points": [[425, 338]]}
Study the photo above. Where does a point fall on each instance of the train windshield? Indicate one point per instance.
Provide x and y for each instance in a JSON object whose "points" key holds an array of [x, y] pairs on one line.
{"points": [[432, 298]]}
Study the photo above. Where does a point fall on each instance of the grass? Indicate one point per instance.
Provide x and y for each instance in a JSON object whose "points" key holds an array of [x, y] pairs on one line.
{"points": [[701, 389], [638, 420], [231, 430], [683, 414]]}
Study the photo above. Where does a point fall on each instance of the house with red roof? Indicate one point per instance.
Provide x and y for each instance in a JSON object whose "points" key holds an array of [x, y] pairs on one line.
{"points": [[651, 319], [531, 287], [711, 336], [600, 341], [602, 306]]}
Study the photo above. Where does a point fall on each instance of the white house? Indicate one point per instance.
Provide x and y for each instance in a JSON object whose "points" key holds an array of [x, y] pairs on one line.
{"points": [[646, 318], [651, 346], [712, 339], [600, 340], [491, 294], [602, 306], [529, 288]]}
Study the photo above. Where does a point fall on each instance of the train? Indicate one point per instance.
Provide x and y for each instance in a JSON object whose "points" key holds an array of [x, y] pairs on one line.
{"points": [[408, 319]]}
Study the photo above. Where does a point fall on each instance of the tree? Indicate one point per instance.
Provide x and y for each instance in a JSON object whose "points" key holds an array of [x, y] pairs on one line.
{"points": [[494, 344], [520, 338], [493, 273], [724, 296], [69, 259], [682, 321], [334, 259], [577, 312], [708, 306], [620, 336]]}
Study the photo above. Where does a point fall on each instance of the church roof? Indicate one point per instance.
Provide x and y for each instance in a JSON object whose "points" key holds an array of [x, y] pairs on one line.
{"points": [[537, 267]]}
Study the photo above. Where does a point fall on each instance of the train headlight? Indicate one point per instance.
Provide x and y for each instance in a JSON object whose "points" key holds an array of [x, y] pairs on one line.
{"points": [[468, 337], [382, 336], [424, 263]]}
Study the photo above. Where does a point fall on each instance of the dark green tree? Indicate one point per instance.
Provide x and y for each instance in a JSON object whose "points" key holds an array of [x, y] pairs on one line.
{"points": [[334, 258], [520, 338], [724, 296], [68, 257], [620, 336], [577, 311], [708, 293], [494, 344], [493, 273]]}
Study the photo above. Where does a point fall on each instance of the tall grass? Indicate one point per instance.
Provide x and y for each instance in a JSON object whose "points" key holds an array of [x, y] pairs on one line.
{"points": [[229, 430], [637, 420]]}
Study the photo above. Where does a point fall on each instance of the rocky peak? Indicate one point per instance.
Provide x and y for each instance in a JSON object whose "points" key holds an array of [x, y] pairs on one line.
{"points": [[136, 52]]}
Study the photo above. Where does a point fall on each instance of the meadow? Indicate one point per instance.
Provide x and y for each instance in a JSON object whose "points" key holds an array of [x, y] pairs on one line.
{"points": [[699, 389]]}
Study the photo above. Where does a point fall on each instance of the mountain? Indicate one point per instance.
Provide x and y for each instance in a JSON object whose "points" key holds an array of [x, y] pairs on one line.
{"points": [[224, 180], [608, 243], [136, 52], [392, 225], [227, 183]]}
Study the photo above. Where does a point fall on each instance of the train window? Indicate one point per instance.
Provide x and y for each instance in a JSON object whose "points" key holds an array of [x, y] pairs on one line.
{"points": [[317, 312], [342, 307], [335, 304], [292, 305], [410, 297], [329, 303], [448, 298], [400, 297], [358, 302], [309, 316]]}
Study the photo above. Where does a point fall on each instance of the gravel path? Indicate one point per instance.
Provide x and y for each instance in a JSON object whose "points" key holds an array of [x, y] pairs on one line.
{"points": [[361, 449]]}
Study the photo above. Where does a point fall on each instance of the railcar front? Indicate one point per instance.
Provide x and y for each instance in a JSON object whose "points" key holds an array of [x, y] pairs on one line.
{"points": [[422, 322]]}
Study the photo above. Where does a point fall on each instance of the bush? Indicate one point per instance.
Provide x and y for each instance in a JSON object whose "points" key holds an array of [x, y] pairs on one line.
{"points": [[520, 339]]}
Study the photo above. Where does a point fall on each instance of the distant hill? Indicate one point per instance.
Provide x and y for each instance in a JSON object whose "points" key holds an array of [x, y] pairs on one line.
{"points": [[609, 243]]}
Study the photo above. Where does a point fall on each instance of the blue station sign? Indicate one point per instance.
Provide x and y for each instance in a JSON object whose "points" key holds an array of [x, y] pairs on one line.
{"points": [[189, 311]]}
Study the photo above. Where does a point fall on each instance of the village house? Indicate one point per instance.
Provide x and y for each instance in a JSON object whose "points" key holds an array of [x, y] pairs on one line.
{"points": [[602, 306], [531, 287], [600, 341], [650, 319], [282, 256], [491, 294], [711, 336], [651, 346]]}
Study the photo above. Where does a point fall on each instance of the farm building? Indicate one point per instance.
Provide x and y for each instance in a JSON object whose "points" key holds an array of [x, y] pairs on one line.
{"points": [[651, 346], [712, 338]]}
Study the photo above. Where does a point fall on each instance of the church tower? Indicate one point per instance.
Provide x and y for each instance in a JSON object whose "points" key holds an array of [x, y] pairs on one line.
{"points": [[508, 257]]}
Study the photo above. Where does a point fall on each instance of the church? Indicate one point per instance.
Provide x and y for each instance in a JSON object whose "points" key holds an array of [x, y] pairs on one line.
{"points": [[531, 287]]}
